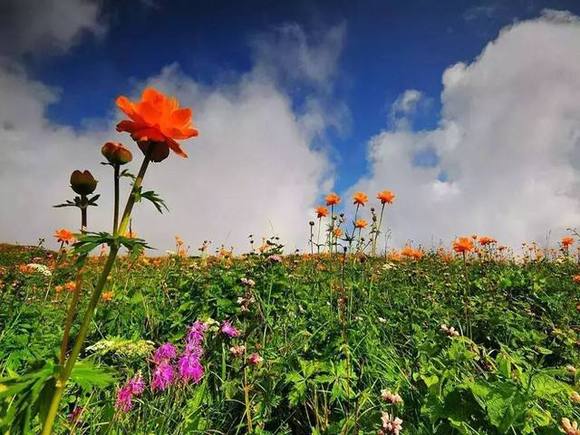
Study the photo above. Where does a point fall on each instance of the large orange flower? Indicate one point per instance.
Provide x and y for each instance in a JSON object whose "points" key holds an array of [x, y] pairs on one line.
{"points": [[462, 245], [360, 198], [156, 119], [567, 241], [332, 199], [386, 196], [64, 236]]}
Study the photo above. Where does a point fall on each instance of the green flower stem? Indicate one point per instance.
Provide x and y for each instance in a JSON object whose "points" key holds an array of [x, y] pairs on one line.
{"points": [[374, 248], [71, 315], [95, 297], [116, 168]]}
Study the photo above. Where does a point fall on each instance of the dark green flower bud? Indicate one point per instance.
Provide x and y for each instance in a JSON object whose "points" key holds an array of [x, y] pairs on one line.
{"points": [[157, 151], [83, 183]]}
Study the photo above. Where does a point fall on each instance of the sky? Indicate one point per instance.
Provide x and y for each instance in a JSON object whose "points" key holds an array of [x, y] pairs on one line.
{"points": [[468, 111]]}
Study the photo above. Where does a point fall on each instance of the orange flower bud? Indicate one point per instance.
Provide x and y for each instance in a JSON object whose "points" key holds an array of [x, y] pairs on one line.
{"points": [[116, 153], [83, 183]]}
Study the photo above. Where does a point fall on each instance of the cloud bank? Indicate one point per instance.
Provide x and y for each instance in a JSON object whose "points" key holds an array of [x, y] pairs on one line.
{"points": [[253, 170], [507, 145]]}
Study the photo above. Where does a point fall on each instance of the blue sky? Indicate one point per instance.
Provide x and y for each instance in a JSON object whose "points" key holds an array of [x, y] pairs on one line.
{"points": [[390, 46], [467, 110]]}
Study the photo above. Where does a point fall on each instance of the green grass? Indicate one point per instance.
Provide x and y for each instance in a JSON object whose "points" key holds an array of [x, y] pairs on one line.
{"points": [[333, 332]]}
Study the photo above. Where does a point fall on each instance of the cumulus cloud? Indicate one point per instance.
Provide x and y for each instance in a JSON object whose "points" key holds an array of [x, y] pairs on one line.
{"points": [[507, 145], [35, 26], [254, 169]]}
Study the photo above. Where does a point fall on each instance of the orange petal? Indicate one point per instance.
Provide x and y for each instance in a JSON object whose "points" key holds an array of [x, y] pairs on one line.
{"points": [[128, 126], [152, 95], [176, 148], [148, 133], [180, 117], [149, 112], [125, 105]]}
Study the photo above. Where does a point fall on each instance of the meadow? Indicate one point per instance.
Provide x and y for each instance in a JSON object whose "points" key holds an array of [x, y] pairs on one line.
{"points": [[317, 344], [346, 337]]}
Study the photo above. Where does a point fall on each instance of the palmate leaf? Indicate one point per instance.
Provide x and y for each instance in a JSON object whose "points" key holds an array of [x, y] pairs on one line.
{"points": [[152, 196], [28, 394], [88, 376]]}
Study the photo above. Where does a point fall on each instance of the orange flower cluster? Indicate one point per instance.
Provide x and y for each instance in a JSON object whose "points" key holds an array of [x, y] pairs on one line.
{"points": [[567, 241], [485, 240], [463, 245], [410, 252]]}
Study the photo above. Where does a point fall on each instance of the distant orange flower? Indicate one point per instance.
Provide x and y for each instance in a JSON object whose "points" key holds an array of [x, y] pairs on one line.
{"points": [[156, 119], [410, 252], [70, 286], [485, 240], [567, 241], [332, 199], [394, 256], [321, 212], [576, 279], [107, 296], [462, 245], [64, 236], [360, 224], [58, 288], [24, 268], [337, 232], [360, 198], [386, 197]]}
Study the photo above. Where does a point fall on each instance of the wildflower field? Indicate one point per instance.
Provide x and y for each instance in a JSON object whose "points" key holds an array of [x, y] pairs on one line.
{"points": [[304, 344], [346, 337]]}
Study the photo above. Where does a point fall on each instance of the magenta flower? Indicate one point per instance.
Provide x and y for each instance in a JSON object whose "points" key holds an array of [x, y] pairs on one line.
{"points": [[228, 329], [163, 376], [124, 402], [165, 352], [194, 339], [190, 368], [137, 385], [75, 414]]}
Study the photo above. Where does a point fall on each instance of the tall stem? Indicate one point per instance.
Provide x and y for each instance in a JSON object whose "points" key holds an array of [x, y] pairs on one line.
{"points": [[374, 248], [84, 329], [84, 206], [116, 168]]}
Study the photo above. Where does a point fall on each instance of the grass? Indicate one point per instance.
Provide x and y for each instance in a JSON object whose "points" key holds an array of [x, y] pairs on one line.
{"points": [[334, 331]]}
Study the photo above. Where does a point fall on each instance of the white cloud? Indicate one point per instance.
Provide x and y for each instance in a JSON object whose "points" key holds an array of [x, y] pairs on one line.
{"points": [[508, 144], [35, 26], [253, 169]]}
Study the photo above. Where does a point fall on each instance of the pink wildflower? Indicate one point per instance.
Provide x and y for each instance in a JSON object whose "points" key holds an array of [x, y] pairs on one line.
{"points": [[75, 414], [124, 402], [238, 351], [163, 376], [392, 398], [190, 368], [137, 385], [255, 359], [165, 352], [228, 329], [391, 425]]}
